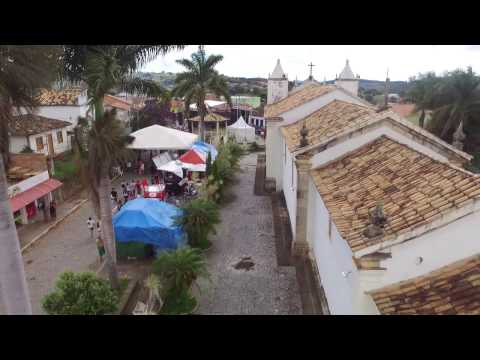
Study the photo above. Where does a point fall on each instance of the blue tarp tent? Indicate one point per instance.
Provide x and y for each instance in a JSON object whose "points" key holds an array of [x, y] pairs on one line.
{"points": [[206, 148], [149, 221]]}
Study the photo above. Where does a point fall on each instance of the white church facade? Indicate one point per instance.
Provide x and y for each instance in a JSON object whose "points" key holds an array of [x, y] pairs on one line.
{"points": [[383, 208]]}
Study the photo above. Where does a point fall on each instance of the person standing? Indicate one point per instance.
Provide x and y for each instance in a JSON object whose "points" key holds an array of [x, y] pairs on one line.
{"points": [[101, 249], [125, 194], [53, 209], [90, 225], [114, 194]]}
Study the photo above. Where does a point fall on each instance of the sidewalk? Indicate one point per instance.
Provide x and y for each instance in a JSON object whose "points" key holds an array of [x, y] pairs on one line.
{"points": [[29, 232]]}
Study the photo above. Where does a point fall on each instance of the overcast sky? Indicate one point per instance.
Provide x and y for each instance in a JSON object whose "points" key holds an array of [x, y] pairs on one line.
{"points": [[369, 61]]}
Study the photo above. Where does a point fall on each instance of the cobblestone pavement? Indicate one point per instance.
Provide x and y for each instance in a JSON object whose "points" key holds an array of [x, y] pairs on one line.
{"points": [[247, 232], [66, 247]]}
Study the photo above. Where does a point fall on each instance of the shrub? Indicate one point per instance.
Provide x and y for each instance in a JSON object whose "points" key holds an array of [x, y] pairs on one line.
{"points": [[180, 268], [199, 218], [26, 150], [81, 294], [174, 304]]}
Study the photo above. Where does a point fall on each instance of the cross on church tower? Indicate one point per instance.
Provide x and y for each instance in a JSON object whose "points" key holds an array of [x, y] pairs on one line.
{"points": [[311, 69]]}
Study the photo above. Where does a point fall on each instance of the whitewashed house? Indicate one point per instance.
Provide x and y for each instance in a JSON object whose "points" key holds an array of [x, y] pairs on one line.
{"points": [[382, 208], [67, 104], [40, 134]]}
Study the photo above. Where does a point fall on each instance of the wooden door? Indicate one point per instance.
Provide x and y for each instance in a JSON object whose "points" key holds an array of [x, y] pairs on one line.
{"points": [[50, 145]]}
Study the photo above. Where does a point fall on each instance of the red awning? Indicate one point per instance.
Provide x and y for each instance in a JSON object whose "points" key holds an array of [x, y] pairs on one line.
{"points": [[191, 157], [42, 189]]}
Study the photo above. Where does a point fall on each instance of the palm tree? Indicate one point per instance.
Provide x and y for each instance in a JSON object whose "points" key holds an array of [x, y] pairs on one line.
{"points": [[199, 218], [458, 103], [180, 268], [422, 92], [199, 79], [23, 69], [105, 69]]}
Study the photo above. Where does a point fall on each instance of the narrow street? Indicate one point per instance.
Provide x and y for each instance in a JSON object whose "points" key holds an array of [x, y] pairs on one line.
{"points": [[66, 247], [256, 285]]}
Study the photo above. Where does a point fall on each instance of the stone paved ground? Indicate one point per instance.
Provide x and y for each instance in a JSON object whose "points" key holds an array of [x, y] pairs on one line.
{"points": [[247, 231], [67, 247]]}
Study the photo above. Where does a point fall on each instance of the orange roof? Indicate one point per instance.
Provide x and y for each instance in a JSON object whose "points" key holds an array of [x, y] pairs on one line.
{"points": [[414, 188], [403, 110], [328, 122], [117, 102], [58, 97], [450, 290], [298, 98]]}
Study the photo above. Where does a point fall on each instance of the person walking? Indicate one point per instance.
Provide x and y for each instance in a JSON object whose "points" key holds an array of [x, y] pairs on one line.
{"points": [[125, 194], [100, 247], [91, 224], [53, 209]]}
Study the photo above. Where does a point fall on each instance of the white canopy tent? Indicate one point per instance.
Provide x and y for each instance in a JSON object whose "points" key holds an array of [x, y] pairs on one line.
{"points": [[242, 131], [162, 159], [173, 166], [158, 137]]}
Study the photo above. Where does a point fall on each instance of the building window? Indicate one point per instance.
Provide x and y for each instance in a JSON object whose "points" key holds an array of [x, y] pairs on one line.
{"points": [[39, 142], [59, 137]]}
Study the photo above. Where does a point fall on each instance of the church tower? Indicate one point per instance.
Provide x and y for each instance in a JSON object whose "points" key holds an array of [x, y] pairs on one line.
{"points": [[277, 85], [347, 80]]}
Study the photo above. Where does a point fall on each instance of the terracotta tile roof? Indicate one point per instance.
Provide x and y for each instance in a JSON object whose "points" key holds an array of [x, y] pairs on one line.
{"points": [[298, 98], [329, 121], [415, 189], [117, 102], [58, 97], [403, 110], [450, 290], [210, 117], [29, 124]]}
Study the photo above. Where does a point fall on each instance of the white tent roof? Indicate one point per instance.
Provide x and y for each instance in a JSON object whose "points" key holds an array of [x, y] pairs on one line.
{"points": [[158, 137], [240, 124], [209, 103], [173, 167]]}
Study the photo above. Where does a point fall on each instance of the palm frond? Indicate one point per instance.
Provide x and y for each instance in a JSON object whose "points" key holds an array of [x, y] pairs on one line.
{"points": [[144, 87]]}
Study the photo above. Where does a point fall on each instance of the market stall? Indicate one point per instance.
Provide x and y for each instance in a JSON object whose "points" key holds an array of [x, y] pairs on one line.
{"points": [[158, 137], [241, 131], [146, 225]]}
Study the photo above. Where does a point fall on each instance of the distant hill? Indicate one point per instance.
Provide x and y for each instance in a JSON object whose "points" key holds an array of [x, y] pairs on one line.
{"points": [[258, 86]]}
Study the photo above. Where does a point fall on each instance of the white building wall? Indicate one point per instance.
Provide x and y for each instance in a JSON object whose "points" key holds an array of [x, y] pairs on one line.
{"points": [[274, 139], [17, 144], [276, 90], [273, 153], [58, 147], [349, 85], [290, 186], [440, 247], [333, 256], [65, 113]]}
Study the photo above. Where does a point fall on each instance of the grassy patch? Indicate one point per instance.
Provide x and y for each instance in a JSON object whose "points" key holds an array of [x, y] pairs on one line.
{"points": [[65, 168]]}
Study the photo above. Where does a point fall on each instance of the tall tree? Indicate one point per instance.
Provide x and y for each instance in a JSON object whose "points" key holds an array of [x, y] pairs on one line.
{"points": [[422, 93], [458, 102], [104, 69], [200, 79], [23, 69]]}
